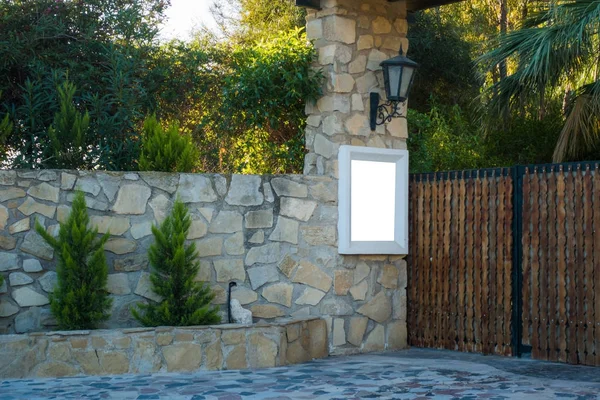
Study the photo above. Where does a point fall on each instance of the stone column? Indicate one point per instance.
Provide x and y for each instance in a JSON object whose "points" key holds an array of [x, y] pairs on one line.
{"points": [[352, 37]]}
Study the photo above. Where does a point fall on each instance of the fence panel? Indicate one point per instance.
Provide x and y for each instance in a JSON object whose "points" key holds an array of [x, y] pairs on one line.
{"points": [[461, 265], [460, 261], [561, 262]]}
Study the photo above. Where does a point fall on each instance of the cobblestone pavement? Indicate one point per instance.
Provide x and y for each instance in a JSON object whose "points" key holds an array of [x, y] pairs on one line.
{"points": [[410, 374]]}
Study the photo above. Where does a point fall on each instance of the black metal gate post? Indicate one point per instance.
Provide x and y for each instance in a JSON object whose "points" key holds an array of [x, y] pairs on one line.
{"points": [[517, 258]]}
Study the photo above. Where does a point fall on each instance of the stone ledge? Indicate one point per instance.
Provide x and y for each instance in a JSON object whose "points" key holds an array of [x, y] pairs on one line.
{"points": [[163, 349]]}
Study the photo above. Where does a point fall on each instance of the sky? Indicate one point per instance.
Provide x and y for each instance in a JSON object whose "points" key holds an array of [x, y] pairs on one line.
{"points": [[183, 15]]}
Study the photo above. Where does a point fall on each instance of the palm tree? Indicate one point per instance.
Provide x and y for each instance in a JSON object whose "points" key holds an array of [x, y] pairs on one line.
{"points": [[555, 52]]}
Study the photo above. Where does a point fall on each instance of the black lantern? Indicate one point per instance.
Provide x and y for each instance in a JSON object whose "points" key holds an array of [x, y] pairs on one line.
{"points": [[398, 74]]}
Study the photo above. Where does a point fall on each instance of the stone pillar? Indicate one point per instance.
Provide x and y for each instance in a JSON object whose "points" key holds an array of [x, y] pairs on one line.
{"points": [[352, 37]]}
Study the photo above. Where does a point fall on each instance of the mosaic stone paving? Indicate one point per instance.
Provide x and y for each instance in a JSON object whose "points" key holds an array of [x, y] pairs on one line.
{"points": [[412, 374]]}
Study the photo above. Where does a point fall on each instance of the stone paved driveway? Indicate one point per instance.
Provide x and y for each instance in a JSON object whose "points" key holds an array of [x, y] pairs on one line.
{"points": [[411, 374]]}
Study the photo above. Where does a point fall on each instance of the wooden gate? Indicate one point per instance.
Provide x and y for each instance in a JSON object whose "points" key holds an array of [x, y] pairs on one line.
{"points": [[561, 262], [504, 261], [460, 290]]}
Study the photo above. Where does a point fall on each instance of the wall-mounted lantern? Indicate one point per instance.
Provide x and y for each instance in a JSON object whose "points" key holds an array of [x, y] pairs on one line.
{"points": [[398, 75], [314, 4]]}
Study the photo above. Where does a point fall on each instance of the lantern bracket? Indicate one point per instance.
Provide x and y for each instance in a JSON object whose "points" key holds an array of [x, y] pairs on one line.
{"points": [[380, 114]]}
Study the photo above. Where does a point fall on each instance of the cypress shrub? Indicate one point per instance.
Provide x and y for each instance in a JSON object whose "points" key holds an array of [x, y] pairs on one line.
{"points": [[166, 151], [80, 301], [174, 268]]}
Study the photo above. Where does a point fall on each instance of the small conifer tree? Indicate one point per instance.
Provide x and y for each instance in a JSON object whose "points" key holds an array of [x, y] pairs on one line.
{"points": [[68, 132], [185, 301], [6, 128], [80, 300], [166, 151]]}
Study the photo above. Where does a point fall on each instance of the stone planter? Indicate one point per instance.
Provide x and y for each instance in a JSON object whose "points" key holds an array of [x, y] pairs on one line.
{"points": [[162, 349]]}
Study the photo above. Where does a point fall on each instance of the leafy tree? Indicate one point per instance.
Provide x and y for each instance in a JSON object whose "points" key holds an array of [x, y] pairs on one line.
{"points": [[446, 72], [166, 151], [443, 140], [557, 54], [185, 301], [68, 133], [6, 128], [255, 121], [80, 301], [106, 48], [255, 20]]}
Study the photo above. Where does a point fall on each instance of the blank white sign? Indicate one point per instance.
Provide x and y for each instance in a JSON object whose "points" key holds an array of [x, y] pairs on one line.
{"points": [[373, 200]]}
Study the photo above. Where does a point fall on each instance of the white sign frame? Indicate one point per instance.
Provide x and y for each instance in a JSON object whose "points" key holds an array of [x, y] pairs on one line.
{"points": [[400, 243]]}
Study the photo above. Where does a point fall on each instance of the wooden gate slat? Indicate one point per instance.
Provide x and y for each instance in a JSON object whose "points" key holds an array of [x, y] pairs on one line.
{"points": [[507, 298], [580, 265], [571, 277], [493, 228], [446, 331], [439, 263], [535, 264], [562, 264], [543, 268], [501, 238], [469, 266], [417, 246], [434, 262], [596, 257], [427, 266], [588, 235], [422, 266], [477, 263], [412, 260], [454, 250], [434, 266], [461, 263], [526, 264], [553, 344], [485, 291]]}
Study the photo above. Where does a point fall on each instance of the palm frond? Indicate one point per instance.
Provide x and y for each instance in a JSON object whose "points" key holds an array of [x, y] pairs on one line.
{"points": [[554, 45], [582, 127]]}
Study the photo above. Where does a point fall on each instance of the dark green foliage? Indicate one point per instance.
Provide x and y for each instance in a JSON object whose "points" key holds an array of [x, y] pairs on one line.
{"points": [[525, 141], [68, 133], [442, 140], [242, 100], [185, 301], [556, 55], [166, 151], [104, 46], [446, 72], [6, 128], [255, 121], [1, 280], [80, 301]]}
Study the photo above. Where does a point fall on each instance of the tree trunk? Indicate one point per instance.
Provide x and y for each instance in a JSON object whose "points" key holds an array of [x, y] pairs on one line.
{"points": [[503, 29]]}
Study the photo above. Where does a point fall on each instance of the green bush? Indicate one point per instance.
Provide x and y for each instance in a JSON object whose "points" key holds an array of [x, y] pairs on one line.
{"points": [[442, 140], [166, 151], [104, 46], [184, 302], [6, 128], [80, 301], [68, 133]]}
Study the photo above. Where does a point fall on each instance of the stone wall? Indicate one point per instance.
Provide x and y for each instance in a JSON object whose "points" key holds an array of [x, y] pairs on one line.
{"points": [[148, 350], [276, 236], [352, 38]]}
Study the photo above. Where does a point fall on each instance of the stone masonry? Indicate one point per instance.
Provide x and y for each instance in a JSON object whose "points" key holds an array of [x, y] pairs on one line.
{"points": [[352, 38], [163, 349], [275, 236]]}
